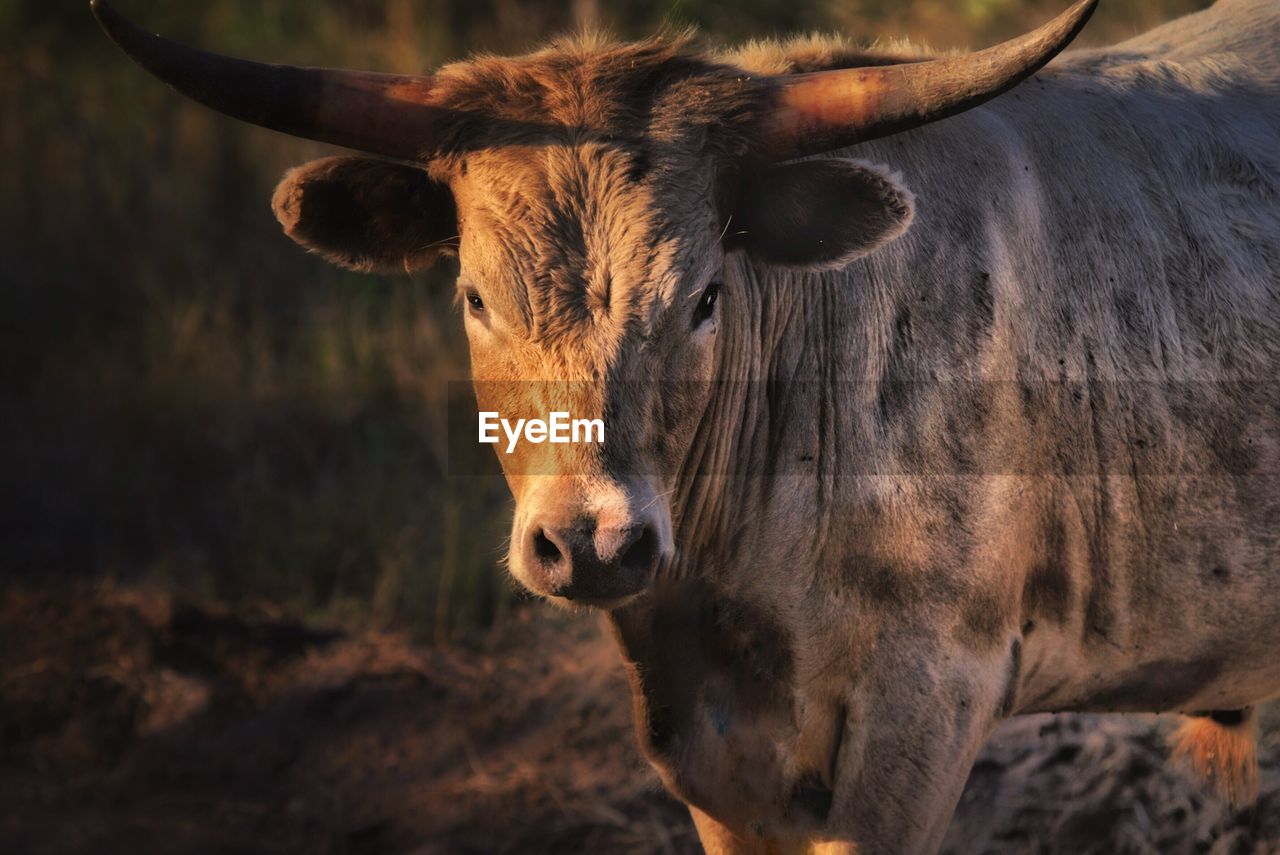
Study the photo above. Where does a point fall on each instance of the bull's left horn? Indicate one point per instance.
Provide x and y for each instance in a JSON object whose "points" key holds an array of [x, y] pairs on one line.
{"points": [[387, 114], [823, 110]]}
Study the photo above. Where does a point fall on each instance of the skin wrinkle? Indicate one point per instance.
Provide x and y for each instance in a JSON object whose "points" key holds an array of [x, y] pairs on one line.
{"points": [[926, 459]]}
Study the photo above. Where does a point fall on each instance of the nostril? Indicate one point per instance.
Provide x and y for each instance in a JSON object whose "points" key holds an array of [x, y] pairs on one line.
{"points": [[545, 549], [641, 554]]}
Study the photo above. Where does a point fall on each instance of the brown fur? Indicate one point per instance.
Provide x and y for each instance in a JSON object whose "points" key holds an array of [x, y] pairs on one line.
{"points": [[1224, 755], [818, 52], [660, 90]]}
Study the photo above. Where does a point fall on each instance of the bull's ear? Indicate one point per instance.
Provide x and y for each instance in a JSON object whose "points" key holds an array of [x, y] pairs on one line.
{"points": [[818, 214], [368, 215]]}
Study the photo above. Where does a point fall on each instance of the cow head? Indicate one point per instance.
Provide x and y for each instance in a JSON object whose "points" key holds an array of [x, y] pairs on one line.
{"points": [[600, 198]]}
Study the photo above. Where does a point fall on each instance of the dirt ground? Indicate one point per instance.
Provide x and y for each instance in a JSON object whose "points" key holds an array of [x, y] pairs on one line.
{"points": [[132, 723]]}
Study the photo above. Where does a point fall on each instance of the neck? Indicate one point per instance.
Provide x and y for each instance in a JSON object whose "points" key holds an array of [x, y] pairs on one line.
{"points": [[768, 436]]}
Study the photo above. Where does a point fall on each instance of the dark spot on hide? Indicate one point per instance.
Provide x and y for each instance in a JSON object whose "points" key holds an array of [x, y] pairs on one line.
{"points": [[754, 648], [1221, 573], [1044, 694], [1157, 686], [888, 584], [1011, 681], [1131, 316], [984, 619], [984, 301], [686, 638], [891, 396], [1098, 616], [1048, 589], [1221, 164], [639, 166], [895, 389], [841, 722], [811, 797], [1223, 423], [902, 332], [956, 438], [957, 513], [1027, 395], [882, 582], [1235, 454]]}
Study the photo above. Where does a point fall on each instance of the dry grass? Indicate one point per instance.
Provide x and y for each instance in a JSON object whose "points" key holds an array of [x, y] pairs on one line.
{"points": [[135, 722]]}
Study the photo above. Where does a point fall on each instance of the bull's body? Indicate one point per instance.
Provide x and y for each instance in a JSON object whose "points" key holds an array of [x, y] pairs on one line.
{"points": [[1020, 453], [1050, 412]]}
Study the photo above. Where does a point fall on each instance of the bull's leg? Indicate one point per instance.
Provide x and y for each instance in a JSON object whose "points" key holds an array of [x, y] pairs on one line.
{"points": [[917, 719]]}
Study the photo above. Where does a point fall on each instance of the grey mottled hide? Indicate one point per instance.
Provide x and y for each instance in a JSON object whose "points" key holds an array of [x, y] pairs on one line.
{"points": [[1023, 458]]}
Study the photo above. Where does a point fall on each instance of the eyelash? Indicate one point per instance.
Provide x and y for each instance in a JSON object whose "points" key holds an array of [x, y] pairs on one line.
{"points": [[706, 304]]}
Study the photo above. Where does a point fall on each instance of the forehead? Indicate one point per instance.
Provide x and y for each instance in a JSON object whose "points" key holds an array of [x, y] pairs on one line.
{"points": [[562, 234], [658, 89], [584, 175]]}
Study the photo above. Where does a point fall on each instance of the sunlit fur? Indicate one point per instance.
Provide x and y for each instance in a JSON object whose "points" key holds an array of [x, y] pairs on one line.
{"points": [[1224, 755]]}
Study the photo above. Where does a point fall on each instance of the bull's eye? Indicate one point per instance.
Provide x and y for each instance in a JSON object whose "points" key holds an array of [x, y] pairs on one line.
{"points": [[706, 304], [474, 301]]}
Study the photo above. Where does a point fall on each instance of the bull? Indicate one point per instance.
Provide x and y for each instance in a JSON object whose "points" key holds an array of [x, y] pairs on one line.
{"points": [[914, 425]]}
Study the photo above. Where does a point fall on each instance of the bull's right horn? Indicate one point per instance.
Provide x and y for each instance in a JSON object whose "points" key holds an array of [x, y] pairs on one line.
{"points": [[824, 110], [387, 114]]}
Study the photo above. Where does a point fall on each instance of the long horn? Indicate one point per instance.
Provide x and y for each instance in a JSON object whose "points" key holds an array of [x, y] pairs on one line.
{"points": [[387, 114], [823, 110]]}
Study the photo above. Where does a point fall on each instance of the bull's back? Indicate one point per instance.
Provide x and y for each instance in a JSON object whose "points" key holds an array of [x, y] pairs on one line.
{"points": [[1176, 344], [1245, 28], [1105, 239]]}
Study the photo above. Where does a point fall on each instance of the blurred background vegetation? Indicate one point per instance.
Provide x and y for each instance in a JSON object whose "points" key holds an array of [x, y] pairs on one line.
{"points": [[191, 401]]}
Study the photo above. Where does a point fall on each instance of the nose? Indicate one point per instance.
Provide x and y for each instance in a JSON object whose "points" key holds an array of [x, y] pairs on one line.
{"points": [[591, 563]]}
